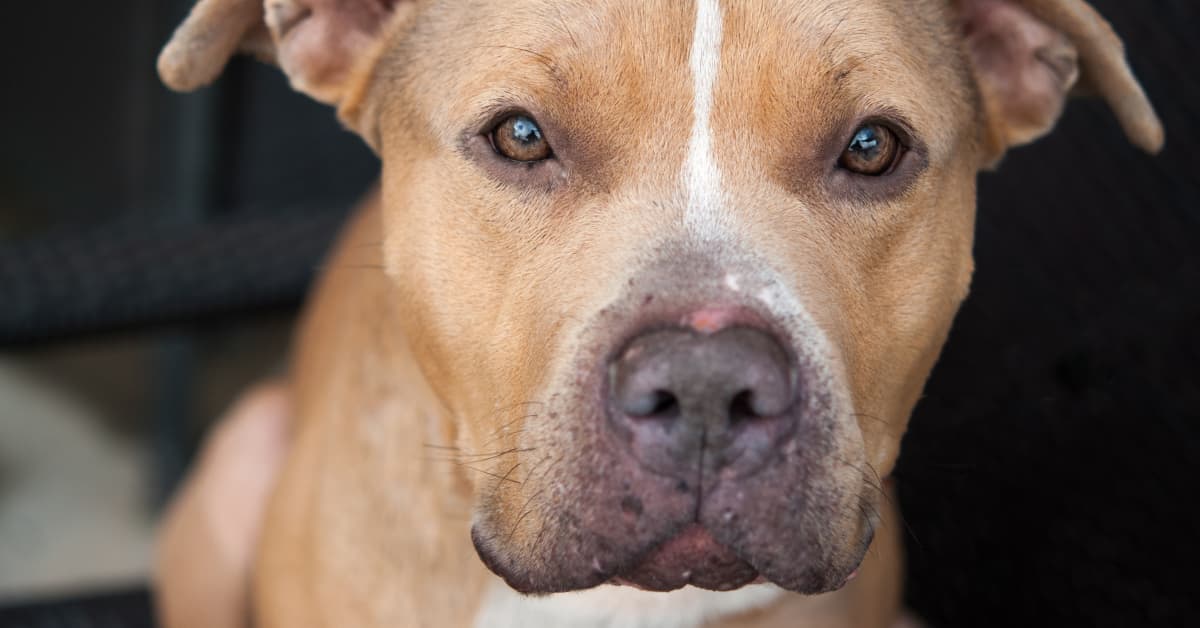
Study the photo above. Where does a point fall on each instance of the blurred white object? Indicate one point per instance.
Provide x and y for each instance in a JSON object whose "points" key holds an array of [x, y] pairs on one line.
{"points": [[73, 497]]}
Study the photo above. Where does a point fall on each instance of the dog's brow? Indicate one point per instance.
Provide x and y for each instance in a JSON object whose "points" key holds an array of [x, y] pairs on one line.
{"points": [[547, 61], [840, 71], [553, 68], [562, 21], [845, 69]]}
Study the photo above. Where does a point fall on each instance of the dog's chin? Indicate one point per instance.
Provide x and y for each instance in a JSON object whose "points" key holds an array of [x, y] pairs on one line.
{"points": [[691, 558], [696, 558]]}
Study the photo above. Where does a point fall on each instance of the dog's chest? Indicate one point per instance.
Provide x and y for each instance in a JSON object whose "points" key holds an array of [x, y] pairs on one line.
{"points": [[618, 607]]}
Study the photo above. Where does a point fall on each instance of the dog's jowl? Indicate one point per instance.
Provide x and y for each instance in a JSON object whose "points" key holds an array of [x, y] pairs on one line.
{"points": [[659, 283]]}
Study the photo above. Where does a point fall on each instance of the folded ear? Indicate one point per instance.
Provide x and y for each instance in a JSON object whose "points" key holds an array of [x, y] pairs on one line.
{"points": [[322, 45], [1028, 55]]}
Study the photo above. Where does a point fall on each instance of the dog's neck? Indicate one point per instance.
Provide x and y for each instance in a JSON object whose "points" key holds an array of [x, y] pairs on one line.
{"points": [[619, 607]]}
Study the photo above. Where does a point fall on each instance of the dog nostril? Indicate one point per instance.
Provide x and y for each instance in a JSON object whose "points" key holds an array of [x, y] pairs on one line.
{"points": [[659, 403], [741, 408]]}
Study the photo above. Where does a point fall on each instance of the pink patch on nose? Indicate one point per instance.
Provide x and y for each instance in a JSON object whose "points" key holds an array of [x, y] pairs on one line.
{"points": [[711, 320]]}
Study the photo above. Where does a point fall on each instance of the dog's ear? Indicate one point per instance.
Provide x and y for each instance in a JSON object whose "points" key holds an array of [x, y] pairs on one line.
{"points": [[1029, 55], [324, 46]]}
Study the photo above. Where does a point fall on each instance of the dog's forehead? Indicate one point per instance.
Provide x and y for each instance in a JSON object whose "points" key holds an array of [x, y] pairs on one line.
{"points": [[623, 66]]}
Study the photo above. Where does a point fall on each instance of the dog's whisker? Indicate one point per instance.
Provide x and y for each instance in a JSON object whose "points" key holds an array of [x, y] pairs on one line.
{"points": [[499, 477], [482, 457], [467, 460], [477, 458], [504, 430], [895, 509], [506, 477], [875, 474], [525, 512], [908, 528], [508, 474], [529, 474], [512, 406], [871, 480], [537, 540]]}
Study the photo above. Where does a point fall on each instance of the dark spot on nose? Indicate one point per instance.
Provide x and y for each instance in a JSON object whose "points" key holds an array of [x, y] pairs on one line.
{"points": [[631, 505]]}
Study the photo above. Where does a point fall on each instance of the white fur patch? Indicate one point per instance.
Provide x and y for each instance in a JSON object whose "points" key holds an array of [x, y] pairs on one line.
{"points": [[733, 282], [704, 215], [618, 607]]}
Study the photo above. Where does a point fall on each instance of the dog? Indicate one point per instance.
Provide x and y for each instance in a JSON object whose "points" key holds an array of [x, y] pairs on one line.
{"points": [[631, 330]]}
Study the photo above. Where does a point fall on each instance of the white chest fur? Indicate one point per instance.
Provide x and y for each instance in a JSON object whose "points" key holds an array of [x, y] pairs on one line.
{"points": [[618, 607]]}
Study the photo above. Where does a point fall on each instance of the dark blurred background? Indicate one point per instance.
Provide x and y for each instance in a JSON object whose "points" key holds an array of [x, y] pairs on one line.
{"points": [[154, 248]]}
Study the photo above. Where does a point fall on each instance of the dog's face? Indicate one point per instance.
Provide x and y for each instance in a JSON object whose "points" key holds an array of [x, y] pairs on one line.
{"points": [[697, 199], [678, 270]]}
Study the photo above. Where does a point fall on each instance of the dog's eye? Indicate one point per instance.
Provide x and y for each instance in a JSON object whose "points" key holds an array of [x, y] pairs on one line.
{"points": [[519, 138], [873, 151]]}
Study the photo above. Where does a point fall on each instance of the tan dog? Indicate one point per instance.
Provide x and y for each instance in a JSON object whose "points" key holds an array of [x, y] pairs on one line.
{"points": [[644, 303]]}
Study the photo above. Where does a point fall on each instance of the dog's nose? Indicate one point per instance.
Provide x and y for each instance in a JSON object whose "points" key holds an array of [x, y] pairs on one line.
{"points": [[683, 398]]}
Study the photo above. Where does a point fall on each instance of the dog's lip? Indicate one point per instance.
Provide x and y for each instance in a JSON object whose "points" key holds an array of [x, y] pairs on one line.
{"points": [[691, 557]]}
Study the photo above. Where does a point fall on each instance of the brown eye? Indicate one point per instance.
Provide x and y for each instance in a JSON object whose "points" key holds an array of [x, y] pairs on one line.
{"points": [[873, 151], [520, 138]]}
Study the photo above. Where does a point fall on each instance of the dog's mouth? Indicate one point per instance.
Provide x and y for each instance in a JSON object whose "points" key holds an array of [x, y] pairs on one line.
{"points": [[745, 470], [692, 557]]}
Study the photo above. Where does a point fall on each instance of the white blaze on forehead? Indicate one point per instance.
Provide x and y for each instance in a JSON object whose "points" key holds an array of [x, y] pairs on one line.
{"points": [[704, 216]]}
